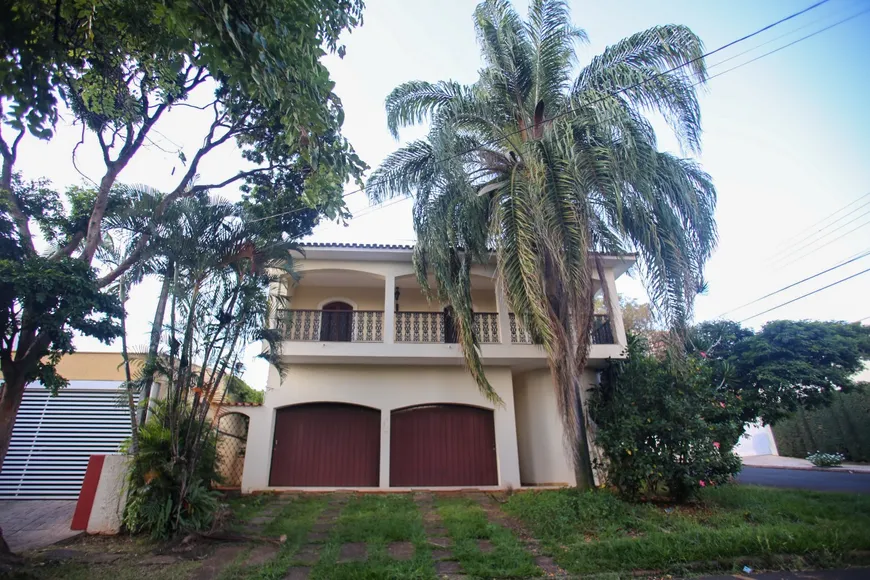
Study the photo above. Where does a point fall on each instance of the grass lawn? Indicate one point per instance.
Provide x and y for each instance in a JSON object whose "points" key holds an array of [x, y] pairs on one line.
{"points": [[595, 533], [466, 523], [377, 521], [588, 534]]}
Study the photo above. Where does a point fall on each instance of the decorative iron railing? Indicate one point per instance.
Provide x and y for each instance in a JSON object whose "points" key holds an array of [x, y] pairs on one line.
{"points": [[332, 325], [420, 327], [429, 327], [601, 331]]}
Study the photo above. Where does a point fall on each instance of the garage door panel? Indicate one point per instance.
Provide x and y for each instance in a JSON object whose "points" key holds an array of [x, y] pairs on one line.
{"points": [[442, 445], [326, 445]]}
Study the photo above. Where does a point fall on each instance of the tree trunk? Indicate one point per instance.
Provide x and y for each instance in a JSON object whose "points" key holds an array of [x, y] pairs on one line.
{"points": [[11, 394], [154, 344]]}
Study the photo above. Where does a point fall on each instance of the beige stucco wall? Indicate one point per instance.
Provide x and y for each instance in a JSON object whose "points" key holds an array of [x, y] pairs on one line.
{"points": [[410, 299], [543, 454], [385, 388], [313, 297]]}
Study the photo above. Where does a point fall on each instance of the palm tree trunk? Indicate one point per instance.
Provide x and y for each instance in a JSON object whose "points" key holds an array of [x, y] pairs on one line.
{"points": [[128, 386], [154, 344]]}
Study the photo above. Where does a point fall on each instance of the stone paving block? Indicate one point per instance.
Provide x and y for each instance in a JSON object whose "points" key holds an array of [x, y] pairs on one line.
{"points": [[485, 546], [308, 554], [260, 520], [352, 552], [439, 555], [317, 537], [261, 554], [447, 567], [298, 573], [401, 550], [442, 542], [431, 517], [435, 530], [321, 527], [213, 565]]}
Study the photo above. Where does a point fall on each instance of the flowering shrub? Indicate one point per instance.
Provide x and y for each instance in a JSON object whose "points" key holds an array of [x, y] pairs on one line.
{"points": [[820, 459], [663, 426]]}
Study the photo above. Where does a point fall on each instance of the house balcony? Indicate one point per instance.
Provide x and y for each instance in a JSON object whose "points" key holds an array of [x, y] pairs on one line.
{"points": [[358, 337]]}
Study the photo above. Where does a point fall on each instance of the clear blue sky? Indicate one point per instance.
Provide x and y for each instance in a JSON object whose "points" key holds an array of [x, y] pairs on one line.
{"points": [[787, 138]]}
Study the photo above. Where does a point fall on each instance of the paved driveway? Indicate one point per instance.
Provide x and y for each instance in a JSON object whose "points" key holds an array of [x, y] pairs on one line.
{"points": [[28, 525], [806, 479]]}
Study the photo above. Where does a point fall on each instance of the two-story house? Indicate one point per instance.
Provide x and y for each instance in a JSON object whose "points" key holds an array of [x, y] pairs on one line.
{"points": [[375, 393]]}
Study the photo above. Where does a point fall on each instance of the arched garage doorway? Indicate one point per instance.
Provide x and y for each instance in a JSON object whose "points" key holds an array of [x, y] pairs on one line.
{"points": [[326, 445], [442, 445]]}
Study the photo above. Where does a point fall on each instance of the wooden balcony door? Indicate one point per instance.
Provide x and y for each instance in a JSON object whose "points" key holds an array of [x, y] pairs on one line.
{"points": [[336, 322]]}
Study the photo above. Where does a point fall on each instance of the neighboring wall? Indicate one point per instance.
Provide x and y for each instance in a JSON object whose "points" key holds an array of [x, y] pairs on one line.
{"points": [[844, 427]]}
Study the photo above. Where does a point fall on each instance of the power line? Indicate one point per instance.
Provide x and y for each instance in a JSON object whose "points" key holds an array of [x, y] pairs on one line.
{"points": [[789, 243], [798, 249], [813, 251], [862, 319], [792, 285], [625, 89], [805, 295]]}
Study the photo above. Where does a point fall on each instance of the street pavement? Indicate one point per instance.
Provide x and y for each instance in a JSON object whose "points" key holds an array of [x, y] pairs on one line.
{"points": [[847, 574], [28, 525], [816, 480]]}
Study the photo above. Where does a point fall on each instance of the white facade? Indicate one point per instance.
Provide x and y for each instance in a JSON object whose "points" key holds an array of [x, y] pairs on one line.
{"points": [[394, 355]]}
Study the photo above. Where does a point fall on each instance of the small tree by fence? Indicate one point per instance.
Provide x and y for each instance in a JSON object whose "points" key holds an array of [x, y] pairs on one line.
{"points": [[844, 427]]}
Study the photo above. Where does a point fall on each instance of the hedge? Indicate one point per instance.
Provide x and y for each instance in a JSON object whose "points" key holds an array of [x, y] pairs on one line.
{"points": [[844, 427]]}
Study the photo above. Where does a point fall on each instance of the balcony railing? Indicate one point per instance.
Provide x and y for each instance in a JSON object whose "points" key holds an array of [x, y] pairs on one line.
{"points": [[436, 327], [332, 325], [601, 331], [418, 327]]}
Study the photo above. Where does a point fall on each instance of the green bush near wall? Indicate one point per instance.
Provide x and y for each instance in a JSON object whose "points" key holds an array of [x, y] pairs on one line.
{"points": [[844, 427]]}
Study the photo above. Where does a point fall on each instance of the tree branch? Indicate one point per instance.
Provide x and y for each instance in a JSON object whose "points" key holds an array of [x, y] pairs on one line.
{"points": [[22, 223]]}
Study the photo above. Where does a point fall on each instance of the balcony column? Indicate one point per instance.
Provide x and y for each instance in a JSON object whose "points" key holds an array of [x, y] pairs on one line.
{"points": [[504, 320], [389, 330], [615, 310]]}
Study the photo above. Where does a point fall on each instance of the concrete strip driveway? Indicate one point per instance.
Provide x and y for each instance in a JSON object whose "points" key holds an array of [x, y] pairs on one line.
{"points": [[815, 480], [28, 525]]}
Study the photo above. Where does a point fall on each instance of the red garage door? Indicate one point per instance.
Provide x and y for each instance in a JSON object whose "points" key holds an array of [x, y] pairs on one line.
{"points": [[326, 445], [440, 445]]}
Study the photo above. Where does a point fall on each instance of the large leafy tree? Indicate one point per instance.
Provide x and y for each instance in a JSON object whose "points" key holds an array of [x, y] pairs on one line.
{"points": [[120, 68], [787, 365], [549, 168]]}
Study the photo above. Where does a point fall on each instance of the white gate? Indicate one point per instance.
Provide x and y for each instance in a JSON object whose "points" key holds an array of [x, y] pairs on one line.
{"points": [[54, 437]]}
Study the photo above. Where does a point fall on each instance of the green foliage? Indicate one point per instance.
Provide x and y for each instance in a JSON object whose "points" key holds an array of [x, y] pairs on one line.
{"points": [[62, 298], [549, 168], [843, 427], [664, 426], [164, 499], [786, 366], [238, 391], [820, 459]]}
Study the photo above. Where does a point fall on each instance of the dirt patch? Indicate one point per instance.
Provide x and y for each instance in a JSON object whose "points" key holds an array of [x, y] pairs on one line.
{"points": [[260, 555], [212, 567], [298, 573], [447, 567]]}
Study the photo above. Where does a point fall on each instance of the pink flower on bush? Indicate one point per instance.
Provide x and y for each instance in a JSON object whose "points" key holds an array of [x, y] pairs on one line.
{"points": [[716, 444], [721, 404], [703, 354], [701, 482]]}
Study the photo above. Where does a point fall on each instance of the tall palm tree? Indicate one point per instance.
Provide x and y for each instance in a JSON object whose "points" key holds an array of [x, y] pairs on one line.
{"points": [[549, 169]]}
